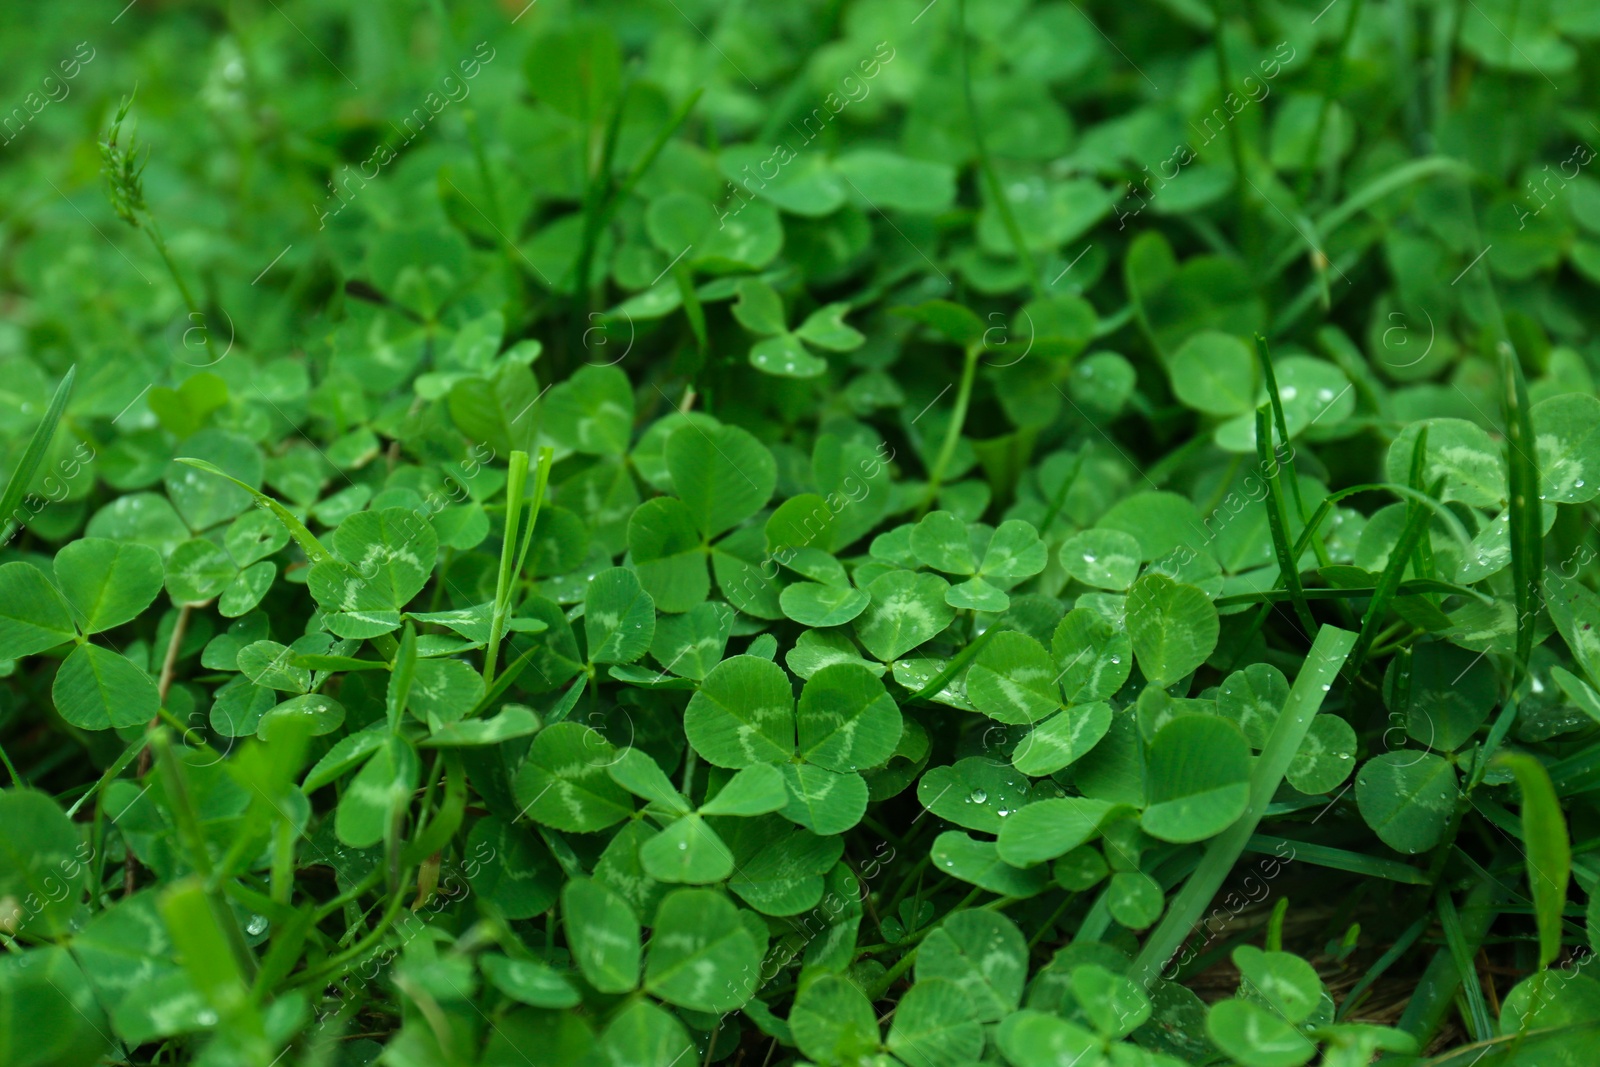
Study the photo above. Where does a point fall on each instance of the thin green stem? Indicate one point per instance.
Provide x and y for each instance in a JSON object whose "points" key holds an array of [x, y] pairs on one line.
{"points": [[514, 549], [952, 434], [16, 779]]}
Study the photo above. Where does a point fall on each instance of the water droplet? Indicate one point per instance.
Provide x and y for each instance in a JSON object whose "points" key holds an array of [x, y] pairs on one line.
{"points": [[1344, 755], [683, 846], [1578, 484], [1326, 687], [978, 796], [206, 1017], [1088, 558], [1116, 659], [256, 926]]}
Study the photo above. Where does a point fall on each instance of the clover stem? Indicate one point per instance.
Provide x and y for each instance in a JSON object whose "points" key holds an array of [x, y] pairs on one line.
{"points": [[16, 779], [958, 417], [688, 772], [169, 664]]}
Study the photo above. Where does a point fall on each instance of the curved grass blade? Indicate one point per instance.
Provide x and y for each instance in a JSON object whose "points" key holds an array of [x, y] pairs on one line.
{"points": [[303, 537], [1278, 522], [22, 475], [1315, 523]]}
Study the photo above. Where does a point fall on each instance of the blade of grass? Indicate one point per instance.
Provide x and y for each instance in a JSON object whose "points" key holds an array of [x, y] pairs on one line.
{"points": [[541, 481], [1338, 859], [187, 819], [1401, 945], [303, 537], [957, 663], [1527, 534], [405, 669], [1409, 587], [1434, 994], [1417, 520], [1267, 372], [22, 474], [516, 482], [1461, 952], [1060, 499], [1548, 851], [1422, 558], [1323, 511], [1278, 522], [118, 765], [1328, 653]]}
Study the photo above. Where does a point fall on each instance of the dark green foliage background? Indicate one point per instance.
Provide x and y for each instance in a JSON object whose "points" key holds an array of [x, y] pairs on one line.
{"points": [[863, 532]]}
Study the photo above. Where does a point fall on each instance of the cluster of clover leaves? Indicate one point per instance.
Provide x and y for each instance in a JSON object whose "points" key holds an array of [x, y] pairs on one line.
{"points": [[629, 593]]}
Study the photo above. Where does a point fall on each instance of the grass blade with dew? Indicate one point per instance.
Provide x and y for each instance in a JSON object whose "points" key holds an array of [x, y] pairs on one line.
{"points": [[1527, 532], [307, 541], [33, 455], [1264, 356], [1322, 664], [1278, 521]]}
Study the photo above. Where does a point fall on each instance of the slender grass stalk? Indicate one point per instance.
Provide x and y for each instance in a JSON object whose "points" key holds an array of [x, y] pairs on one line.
{"points": [[1477, 1015], [1278, 521], [958, 419], [1433, 995], [1527, 531], [1416, 527], [187, 818], [1328, 653], [38, 444], [16, 779], [514, 546], [1060, 499], [1401, 944]]}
